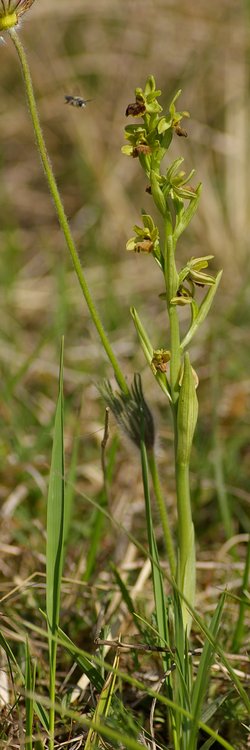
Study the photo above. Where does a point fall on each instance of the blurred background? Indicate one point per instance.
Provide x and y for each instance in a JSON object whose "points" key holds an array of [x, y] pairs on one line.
{"points": [[102, 51]]}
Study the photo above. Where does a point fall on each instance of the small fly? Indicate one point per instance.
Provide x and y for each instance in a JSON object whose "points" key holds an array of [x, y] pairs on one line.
{"points": [[76, 101]]}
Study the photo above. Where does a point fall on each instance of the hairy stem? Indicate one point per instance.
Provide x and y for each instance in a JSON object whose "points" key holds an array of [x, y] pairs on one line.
{"points": [[63, 221]]}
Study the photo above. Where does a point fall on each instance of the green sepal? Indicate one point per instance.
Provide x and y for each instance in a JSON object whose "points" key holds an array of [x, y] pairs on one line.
{"points": [[195, 264], [127, 150], [163, 125], [157, 192]]}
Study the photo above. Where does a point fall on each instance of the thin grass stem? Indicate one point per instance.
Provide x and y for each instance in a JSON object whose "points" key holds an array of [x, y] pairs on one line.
{"points": [[244, 602], [159, 596]]}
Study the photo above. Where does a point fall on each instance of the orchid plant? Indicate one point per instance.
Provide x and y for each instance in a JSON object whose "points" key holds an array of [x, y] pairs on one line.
{"points": [[176, 200]]}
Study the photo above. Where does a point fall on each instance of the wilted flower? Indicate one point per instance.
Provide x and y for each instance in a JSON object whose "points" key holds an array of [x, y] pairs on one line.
{"points": [[131, 412], [160, 360], [10, 12]]}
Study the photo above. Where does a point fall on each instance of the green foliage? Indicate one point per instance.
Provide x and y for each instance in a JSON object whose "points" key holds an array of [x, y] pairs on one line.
{"points": [[55, 543]]}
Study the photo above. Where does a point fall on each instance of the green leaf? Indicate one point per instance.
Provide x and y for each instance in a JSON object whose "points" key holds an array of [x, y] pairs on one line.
{"points": [[40, 710], [186, 216], [209, 743], [213, 706], [55, 544], [83, 662], [103, 705], [189, 581], [148, 351], [30, 676], [55, 517], [42, 715], [10, 656], [70, 488], [157, 577], [202, 677], [187, 413], [125, 594]]}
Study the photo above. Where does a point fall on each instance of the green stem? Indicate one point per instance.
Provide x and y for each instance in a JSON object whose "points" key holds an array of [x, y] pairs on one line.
{"points": [[163, 511], [52, 695], [175, 361], [60, 209], [171, 281], [184, 516]]}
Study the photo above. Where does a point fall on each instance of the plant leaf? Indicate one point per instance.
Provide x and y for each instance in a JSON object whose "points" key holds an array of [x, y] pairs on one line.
{"points": [[203, 311]]}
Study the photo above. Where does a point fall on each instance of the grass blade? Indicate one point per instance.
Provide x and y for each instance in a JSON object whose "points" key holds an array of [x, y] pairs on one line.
{"points": [[70, 489], [55, 543], [104, 704], [30, 677], [89, 669], [244, 602], [159, 596], [202, 676]]}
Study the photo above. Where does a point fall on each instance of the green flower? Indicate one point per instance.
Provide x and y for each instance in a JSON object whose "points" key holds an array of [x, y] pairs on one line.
{"points": [[10, 12], [193, 272], [176, 182]]}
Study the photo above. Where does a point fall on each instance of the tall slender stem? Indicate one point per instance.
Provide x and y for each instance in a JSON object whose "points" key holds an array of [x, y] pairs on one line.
{"points": [[63, 221], [175, 361], [171, 281], [163, 511], [186, 545], [184, 515]]}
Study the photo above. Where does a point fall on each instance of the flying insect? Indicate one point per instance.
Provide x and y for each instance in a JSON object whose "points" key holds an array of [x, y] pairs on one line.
{"points": [[76, 101]]}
